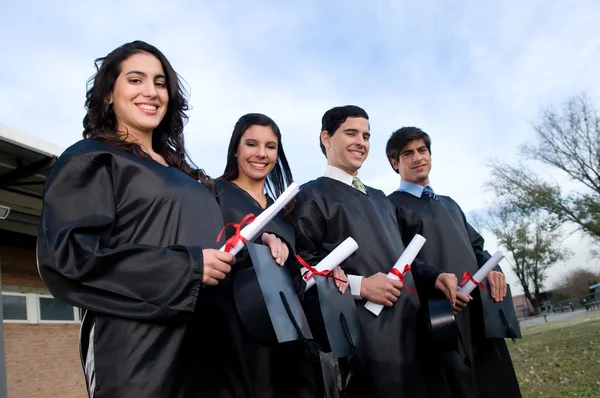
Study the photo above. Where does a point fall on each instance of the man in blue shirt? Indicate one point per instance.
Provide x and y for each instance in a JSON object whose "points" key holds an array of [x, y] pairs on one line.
{"points": [[453, 246]]}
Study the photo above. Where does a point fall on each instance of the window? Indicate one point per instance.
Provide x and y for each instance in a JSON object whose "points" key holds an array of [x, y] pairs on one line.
{"points": [[37, 308], [14, 307], [54, 310]]}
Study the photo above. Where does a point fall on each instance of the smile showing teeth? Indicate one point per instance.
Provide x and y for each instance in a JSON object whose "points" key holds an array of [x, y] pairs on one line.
{"points": [[148, 107], [258, 165]]}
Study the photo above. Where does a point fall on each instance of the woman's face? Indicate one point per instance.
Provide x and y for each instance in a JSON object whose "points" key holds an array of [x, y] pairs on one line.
{"points": [[257, 152], [140, 96]]}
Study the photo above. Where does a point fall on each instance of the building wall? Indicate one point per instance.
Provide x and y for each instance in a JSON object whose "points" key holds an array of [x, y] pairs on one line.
{"points": [[42, 359], [522, 306]]}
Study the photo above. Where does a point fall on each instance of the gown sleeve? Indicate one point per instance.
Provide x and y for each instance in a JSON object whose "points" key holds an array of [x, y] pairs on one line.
{"points": [[425, 275], [76, 262], [310, 228]]}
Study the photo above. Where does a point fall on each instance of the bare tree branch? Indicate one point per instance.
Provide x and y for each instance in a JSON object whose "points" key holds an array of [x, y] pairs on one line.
{"points": [[533, 240], [570, 140]]}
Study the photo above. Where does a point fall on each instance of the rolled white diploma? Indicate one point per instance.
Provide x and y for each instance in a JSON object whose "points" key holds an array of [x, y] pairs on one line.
{"points": [[407, 257], [332, 260], [482, 273], [250, 231]]}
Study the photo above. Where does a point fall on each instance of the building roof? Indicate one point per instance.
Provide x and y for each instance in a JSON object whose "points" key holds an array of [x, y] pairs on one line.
{"points": [[25, 162]]}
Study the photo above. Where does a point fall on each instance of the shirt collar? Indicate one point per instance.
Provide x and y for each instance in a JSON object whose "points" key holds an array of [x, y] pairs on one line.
{"points": [[412, 188], [338, 174]]}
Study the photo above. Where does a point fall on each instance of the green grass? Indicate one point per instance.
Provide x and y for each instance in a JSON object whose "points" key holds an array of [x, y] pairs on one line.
{"points": [[559, 359]]}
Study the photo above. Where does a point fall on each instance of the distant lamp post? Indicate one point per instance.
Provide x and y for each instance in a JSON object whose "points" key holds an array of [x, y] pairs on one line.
{"points": [[4, 212]]}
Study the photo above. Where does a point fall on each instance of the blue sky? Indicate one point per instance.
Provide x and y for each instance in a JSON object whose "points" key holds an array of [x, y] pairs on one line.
{"points": [[473, 75]]}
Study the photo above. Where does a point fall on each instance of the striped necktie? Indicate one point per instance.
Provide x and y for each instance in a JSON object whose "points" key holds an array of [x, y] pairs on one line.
{"points": [[429, 192], [357, 183]]}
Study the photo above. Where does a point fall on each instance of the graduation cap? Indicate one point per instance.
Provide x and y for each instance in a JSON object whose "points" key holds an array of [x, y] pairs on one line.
{"points": [[500, 319], [267, 301], [444, 333], [443, 329], [340, 318]]}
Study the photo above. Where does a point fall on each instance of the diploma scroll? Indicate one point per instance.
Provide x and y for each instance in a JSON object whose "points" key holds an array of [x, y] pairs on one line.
{"points": [[250, 231], [332, 260], [482, 273], [407, 257]]}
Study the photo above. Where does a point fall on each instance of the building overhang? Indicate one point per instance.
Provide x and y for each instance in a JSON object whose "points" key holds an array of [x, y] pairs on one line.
{"points": [[25, 162]]}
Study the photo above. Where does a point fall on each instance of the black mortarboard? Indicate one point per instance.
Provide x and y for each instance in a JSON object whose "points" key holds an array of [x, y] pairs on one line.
{"points": [[340, 318], [442, 325], [266, 300], [500, 319]]}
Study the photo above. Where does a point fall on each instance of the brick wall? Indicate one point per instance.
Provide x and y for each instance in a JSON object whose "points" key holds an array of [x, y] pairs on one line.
{"points": [[18, 255], [42, 360], [22, 283]]}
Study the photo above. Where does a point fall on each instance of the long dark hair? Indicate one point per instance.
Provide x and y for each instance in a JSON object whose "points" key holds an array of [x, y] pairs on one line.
{"points": [[281, 175], [100, 121]]}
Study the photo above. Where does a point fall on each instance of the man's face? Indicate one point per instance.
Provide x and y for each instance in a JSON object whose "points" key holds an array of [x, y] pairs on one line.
{"points": [[414, 162], [349, 146]]}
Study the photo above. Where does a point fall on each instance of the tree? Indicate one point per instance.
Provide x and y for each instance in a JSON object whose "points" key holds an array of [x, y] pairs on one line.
{"points": [[568, 140], [532, 239], [576, 283]]}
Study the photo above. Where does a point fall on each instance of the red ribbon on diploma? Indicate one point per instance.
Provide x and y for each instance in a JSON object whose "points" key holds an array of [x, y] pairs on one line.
{"points": [[468, 276], [313, 271], [231, 242], [400, 276]]}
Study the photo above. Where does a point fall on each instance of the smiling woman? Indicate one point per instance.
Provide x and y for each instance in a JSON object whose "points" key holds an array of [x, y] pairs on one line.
{"points": [[140, 98], [257, 172], [255, 156], [132, 242], [135, 91]]}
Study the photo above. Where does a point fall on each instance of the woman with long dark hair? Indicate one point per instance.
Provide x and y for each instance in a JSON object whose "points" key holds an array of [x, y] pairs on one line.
{"points": [[256, 173], [128, 234], [247, 170]]}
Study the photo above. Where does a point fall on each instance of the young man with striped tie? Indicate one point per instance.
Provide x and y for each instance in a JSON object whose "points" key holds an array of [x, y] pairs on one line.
{"points": [[453, 246]]}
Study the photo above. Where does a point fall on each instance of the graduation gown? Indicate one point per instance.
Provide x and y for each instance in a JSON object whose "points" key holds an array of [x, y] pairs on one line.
{"points": [[454, 246], [327, 212], [122, 237], [251, 370]]}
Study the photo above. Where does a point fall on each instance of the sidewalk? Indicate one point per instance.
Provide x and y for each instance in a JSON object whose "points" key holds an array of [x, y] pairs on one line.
{"points": [[553, 317]]}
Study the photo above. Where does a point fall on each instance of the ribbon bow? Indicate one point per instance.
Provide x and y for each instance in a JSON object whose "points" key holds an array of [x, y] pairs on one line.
{"points": [[400, 275], [231, 242], [467, 276], [313, 271]]}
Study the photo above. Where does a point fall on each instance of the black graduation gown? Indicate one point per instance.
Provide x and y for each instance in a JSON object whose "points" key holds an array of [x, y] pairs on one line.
{"points": [[327, 212], [251, 369], [122, 237], [454, 246]]}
